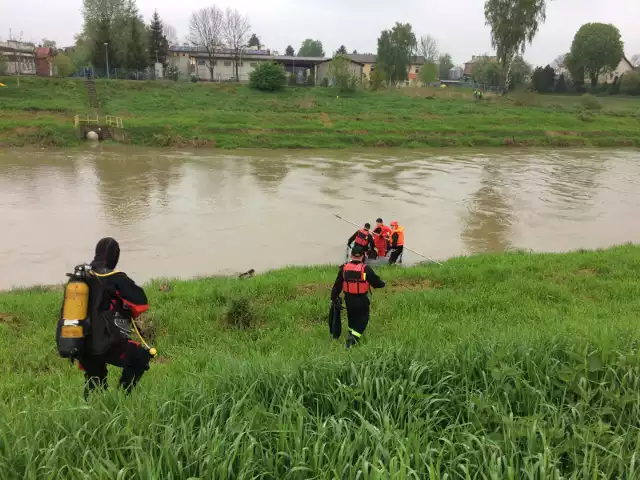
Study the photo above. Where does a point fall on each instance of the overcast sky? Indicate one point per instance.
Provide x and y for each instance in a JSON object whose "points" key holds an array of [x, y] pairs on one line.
{"points": [[458, 25]]}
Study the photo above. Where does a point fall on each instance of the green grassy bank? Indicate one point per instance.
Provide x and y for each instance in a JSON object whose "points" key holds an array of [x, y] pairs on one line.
{"points": [[498, 366], [40, 112]]}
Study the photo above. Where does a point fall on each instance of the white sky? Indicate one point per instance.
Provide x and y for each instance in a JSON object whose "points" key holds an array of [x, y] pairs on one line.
{"points": [[458, 25]]}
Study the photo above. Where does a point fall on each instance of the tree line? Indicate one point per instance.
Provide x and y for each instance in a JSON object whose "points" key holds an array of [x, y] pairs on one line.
{"points": [[115, 33], [596, 48], [596, 52]]}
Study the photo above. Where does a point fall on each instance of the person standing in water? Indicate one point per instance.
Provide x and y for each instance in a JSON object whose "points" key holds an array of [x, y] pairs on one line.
{"points": [[397, 242], [381, 237]]}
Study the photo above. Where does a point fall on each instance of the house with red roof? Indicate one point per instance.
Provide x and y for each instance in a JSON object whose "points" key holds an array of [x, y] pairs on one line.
{"points": [[44, 61]]}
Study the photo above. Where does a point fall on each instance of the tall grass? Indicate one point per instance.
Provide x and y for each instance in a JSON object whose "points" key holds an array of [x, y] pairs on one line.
{"points": [[230, 116], [500, 366]]}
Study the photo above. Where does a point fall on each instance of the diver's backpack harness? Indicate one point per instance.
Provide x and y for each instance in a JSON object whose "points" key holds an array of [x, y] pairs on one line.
{"points": [[75, 323]]}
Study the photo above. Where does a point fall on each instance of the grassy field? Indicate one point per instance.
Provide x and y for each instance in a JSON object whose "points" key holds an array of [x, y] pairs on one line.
{"points": [[510, 366], [40, 112]]}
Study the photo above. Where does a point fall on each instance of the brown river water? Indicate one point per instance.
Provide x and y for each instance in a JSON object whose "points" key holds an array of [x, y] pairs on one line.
{"points": [[185, 214]]}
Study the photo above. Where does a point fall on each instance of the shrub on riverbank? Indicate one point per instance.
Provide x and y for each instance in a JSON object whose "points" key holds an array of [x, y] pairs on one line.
{"points": [[497, 366], [268, 76], [180, 114]]}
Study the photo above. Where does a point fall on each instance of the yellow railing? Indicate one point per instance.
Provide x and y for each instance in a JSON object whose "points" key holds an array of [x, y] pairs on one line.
{"points": [[113, 121], [108, 120], [85, 119]]}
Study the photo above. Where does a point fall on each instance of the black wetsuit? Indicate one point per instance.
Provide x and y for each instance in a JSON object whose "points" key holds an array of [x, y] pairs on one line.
{"points": [[110, 293], [396, 250], [357, 305]]}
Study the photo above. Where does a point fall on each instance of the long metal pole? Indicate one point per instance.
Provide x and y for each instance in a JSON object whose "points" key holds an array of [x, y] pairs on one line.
{"points": [[417, 253]]}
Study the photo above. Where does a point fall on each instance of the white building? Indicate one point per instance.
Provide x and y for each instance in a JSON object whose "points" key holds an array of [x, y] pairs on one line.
{"points": [[20, 57], [623, 67], [193, 61]]}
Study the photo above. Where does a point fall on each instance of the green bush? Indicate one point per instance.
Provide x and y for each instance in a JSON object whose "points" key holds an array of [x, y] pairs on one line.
{"points": [[325, 82], [268, 76], [586, 116], [240, 314], [292, 80], [172, 72], [311, 80], [589, 102], [3, 65], [376, 80], [194, 79], [340, 71], [630, 83], [63, 65]]}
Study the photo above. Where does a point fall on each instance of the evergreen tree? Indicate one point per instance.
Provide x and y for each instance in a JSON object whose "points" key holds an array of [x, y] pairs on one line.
{"points": [[136, 51], [254, 41], [158, 44]]}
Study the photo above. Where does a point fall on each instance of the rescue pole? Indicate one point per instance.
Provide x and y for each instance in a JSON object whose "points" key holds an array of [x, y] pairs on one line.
{"points": [[378, 235]]}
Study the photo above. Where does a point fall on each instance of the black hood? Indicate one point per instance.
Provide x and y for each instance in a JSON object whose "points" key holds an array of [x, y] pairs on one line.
{"points": [[107, 254]]}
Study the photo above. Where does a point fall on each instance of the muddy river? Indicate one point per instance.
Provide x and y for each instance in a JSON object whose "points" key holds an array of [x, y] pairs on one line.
{"points": [[185, 214]]}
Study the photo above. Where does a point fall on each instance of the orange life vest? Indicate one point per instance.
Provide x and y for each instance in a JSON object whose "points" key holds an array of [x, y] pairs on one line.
{"points": [[400, 232], [362, 238], [354, 279]]}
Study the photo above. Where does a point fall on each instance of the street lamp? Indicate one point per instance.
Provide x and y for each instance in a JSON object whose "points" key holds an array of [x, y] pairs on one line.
{"points": [[106, 56]]}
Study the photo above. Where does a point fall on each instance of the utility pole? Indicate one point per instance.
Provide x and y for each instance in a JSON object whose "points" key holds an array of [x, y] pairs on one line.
{"points": [[106, 56]]}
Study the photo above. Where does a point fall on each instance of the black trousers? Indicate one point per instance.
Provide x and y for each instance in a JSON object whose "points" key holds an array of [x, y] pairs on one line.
{"points": [[395, 254], [130, 356], [357, 313]]}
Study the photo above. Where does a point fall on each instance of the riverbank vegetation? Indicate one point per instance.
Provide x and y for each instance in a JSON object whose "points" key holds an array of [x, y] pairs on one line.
{"points": [[40, 112], [497, 366]]}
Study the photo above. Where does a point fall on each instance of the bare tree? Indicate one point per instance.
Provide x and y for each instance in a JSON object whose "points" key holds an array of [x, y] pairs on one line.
{"points": [[428, 48], [635, 60], [170, 33], [17, 60], [560, 62], [236, 31], [205, 31]]}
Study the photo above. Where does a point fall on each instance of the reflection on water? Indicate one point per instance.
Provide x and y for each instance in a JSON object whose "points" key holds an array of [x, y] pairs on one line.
{"points": [[487, 226], [192, 213]]}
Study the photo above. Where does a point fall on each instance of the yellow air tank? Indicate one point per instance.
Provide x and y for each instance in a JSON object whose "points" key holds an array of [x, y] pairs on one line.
{"points": [[74, 313]]}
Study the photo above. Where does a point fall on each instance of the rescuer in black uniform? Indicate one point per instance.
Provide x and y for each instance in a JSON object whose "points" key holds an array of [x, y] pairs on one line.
{"points": [[355, 279], [114, 301], [363, 238]]}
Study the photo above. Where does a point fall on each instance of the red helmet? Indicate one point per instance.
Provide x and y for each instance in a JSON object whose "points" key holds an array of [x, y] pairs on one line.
{"points": [[394, 223]]}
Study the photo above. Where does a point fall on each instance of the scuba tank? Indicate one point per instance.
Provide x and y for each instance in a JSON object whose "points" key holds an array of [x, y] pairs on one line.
{"points": [[71, 324]]}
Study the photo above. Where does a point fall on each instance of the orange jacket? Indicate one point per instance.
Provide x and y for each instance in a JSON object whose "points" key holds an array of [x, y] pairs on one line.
{"points": [[397, 237]]}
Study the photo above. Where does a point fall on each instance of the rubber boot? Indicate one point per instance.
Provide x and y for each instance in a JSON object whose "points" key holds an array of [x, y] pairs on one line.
{"points": [[351, 341]]}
